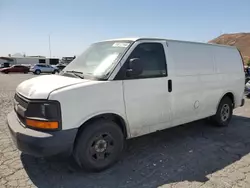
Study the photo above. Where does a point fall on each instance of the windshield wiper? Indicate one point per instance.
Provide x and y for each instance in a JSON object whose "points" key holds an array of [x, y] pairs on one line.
{"points": [[76, 73]]}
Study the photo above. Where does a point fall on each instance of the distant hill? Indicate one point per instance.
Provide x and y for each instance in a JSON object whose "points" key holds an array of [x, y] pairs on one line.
{"points": [[240, 40]]}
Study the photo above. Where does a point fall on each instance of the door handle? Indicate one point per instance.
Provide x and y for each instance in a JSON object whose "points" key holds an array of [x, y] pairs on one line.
{"points": [[169, 85]]}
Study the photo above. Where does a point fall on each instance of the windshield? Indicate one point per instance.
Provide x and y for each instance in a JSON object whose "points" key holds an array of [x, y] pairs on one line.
{"points": [[99, 59]]}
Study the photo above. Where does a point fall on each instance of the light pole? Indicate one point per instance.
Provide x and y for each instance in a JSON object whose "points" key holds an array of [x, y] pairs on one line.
{"points": [[49, 47]]}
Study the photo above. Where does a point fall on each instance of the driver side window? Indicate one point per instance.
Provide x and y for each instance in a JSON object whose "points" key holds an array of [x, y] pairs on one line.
{"points": [[153, 60]]}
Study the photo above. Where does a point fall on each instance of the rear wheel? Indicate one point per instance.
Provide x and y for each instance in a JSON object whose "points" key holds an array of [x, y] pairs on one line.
{"points": [[99, 145], [224, 112], [37, 71]]}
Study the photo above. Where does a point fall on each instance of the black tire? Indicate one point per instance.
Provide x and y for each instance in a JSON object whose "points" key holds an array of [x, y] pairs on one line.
{"points": [[6, 72], [224, 113], [99, 145], [37, 71]]}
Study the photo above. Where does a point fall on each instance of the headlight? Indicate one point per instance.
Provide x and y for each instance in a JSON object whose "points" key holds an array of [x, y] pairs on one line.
{"points": [[43, 115], [43, 110]]}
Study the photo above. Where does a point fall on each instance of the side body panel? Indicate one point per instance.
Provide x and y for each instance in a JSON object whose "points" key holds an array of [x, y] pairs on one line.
{"points": [[147, 100], [81, 102], [231, 77], [203, 74], [147, 104], [46, 69], [193, 81], [50, 68]]}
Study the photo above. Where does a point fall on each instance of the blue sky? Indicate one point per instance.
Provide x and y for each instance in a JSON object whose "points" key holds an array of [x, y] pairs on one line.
{"points": [[73, 25]]}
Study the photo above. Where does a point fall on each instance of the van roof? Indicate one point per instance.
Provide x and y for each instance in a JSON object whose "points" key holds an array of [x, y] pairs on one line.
{"points": [[133, 39]]}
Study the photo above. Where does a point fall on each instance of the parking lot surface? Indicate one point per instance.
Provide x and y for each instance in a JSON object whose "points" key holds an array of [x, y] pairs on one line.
{"points": [[192, 155]]}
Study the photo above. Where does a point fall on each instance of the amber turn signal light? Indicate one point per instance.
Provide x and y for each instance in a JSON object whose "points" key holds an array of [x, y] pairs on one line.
{"points": [[42, 124]]}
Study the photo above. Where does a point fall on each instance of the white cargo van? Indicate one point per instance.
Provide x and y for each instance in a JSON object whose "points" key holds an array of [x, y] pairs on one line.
{"points": [[124, 88]]}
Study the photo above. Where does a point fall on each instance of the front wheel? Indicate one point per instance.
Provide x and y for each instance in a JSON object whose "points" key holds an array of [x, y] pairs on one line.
{"points": [[37, 72], [224, 113], [99, 145]]}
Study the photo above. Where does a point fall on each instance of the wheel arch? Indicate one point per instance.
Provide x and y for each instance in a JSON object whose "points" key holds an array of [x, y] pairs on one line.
{"points": [[227, 94], [119, 120]]}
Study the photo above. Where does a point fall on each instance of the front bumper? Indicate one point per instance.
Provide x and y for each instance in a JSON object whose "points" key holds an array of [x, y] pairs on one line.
{"points": [[39, 143]]}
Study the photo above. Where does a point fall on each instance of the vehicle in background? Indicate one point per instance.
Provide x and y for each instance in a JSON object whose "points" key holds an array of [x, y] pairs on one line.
{"points": [[60, 67], [29, 60], [4, 65], [67, 60], [26, 65], [15, 69], [43, 68], [247, 89], [247, 79], [121, 89]]}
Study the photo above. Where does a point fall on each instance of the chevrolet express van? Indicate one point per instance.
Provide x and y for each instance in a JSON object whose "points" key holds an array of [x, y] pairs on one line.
{"points": [[125, 88]]}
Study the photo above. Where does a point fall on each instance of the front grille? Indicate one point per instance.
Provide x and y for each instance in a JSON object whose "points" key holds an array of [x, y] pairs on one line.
{"points": [[22, 119], [21, 101], [20, 107]]}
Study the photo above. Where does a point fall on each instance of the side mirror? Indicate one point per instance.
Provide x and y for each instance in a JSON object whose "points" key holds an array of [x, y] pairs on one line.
{"points": [[135, 67]]}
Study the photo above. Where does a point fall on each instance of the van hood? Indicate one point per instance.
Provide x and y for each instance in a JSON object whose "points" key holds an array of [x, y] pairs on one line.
{"points": [[40, 87]]}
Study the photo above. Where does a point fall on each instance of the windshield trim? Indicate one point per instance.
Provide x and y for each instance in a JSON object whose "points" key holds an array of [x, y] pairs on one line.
{"points": [[107, 76], [119, 60]]}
